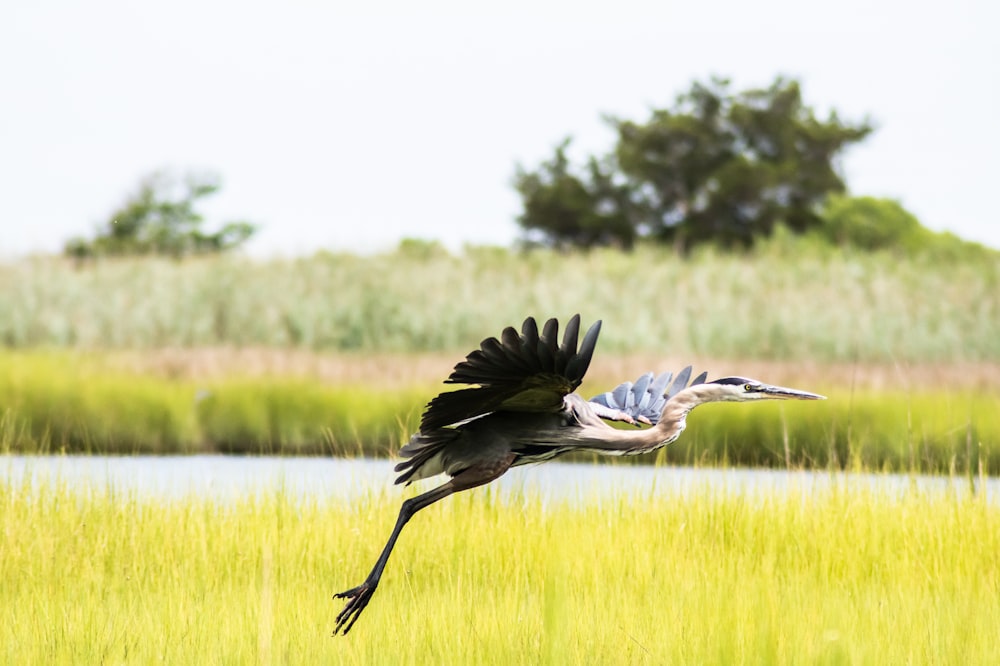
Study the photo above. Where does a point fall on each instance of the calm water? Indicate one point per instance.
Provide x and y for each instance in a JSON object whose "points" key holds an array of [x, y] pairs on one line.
{"points": [[330, 479]]}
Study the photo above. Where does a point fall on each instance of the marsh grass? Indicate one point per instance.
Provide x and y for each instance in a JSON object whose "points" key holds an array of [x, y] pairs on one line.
{"points": [[789, 299], [841, 576], [58, 401], [92, 402]]}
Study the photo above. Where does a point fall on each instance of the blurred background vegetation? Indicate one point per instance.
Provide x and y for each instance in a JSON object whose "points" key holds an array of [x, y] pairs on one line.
{"points": [[159, 218], [791, 297], [720, 230]]}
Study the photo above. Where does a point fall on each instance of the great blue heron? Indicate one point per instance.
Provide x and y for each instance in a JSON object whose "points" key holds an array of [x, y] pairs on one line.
{"points": [[523, 409]]}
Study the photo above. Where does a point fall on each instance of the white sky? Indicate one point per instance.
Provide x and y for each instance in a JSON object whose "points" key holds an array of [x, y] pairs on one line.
{"points": [[338, 127]]}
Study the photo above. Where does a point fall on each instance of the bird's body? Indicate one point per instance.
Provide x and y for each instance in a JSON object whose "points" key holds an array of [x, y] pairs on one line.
{"points": [[529, 437], [522, 408]]}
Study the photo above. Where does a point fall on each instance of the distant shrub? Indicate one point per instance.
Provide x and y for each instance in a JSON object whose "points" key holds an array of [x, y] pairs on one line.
{"points": [[869, 223], [872, 224], [421, 249]]}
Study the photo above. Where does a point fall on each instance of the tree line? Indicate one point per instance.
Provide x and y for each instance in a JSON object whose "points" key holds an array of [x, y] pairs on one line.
{"points": [[719, 166]]}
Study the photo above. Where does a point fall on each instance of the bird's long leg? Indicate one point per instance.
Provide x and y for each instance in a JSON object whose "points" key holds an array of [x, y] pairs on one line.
{"points": [[358, 597]]}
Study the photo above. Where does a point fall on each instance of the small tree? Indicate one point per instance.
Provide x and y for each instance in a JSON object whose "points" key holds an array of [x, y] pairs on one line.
{"points": [[160, 218]]}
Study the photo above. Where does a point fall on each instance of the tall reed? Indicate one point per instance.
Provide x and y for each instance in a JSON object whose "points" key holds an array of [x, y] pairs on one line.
{"points": [[787, 300]]}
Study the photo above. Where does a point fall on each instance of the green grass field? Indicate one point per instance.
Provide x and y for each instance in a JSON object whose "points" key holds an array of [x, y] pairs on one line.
{"points": [[93, 402], [837, 577]]}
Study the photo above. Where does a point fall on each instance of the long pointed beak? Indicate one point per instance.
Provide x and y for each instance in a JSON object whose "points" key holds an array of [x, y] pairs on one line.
{"points": [[782, 393]]}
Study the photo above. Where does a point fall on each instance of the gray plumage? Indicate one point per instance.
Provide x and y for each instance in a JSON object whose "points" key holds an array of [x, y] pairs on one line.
{"points": [[520, 407], [644, 400]]}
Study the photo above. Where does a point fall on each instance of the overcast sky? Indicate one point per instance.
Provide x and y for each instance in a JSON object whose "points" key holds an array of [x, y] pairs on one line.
{"points": [[341, 128]]}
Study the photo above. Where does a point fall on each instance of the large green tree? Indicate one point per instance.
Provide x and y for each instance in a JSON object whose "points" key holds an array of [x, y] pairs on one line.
{"points": [[567, 209], [160, 218], [718, 166]]}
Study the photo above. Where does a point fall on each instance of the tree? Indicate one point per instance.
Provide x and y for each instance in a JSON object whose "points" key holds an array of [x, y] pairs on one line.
{"points": [[569, 210], [160, 218], [718, 167]]}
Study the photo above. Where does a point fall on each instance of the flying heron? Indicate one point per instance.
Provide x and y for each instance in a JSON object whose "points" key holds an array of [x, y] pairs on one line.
{"points": [[521, 408]]}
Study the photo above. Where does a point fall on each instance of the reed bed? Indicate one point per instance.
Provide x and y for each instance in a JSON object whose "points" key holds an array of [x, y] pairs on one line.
{"points": [[789, 299], [862, 577]]}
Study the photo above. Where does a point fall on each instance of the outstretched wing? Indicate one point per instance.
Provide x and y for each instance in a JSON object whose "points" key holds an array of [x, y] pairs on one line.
{"points": [[644, 400], [521, 373]]}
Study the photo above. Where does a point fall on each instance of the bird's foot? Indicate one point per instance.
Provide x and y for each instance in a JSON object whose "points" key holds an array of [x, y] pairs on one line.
{"points": [[358, 597]]}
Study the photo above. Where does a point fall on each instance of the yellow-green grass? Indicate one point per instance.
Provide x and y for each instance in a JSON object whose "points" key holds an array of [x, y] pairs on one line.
{"points": [[786, 300], [76, 402], [843, 576], [59, 401]]}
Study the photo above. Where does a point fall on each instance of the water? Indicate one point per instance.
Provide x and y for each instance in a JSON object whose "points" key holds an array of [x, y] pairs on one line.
{"points": [[227, 478]]}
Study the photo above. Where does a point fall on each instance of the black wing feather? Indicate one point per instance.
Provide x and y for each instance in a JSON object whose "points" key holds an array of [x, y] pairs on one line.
{"points": [[529, 345], [525, 372], [577, 364], [568, 347]]}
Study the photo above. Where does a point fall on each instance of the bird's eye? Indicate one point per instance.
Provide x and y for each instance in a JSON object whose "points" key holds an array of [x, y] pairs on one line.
{"points": [[748, 387]]}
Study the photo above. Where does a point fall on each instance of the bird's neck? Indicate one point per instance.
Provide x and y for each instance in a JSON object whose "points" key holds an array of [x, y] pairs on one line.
{"points": [[598, 436], [673, 418]]}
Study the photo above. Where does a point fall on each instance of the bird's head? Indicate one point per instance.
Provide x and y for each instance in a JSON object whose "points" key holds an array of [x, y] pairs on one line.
{"points": [[741, 389]]}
